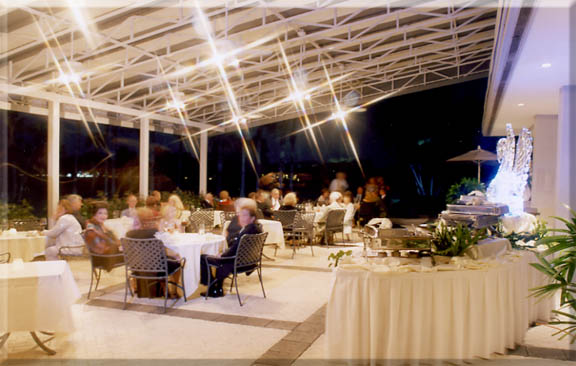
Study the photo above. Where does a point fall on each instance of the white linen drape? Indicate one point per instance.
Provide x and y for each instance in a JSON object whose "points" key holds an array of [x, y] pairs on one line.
{"points": [[436, 315]]}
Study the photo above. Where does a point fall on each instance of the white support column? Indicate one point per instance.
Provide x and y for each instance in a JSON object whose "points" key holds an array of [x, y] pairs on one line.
{"points": [[202, 187], [144, 172], [53, 159], [545, 132], [566, 152]]}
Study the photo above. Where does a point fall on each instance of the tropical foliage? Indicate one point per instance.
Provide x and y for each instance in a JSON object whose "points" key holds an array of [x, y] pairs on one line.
{"points": [[454, 241], [559, 264], [16, 211], [465, 186], [336, 257]]}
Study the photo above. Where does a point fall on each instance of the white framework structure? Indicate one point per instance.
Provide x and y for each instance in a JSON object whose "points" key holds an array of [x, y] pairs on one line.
{"points": [[132, 60]]}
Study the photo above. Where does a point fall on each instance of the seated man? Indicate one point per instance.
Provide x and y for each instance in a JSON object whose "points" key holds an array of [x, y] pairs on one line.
{"points": [[208, 201], [264, 204], [148, 220], [249, 225]]}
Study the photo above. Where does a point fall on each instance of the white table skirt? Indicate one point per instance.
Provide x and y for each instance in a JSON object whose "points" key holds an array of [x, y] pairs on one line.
{"points": [[37, 296], [438, 315], [274, 230], [22, 246], [191, 246]]}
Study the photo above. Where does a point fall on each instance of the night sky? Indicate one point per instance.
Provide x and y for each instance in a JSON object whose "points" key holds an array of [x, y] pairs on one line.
{"points": [[399, 138]]}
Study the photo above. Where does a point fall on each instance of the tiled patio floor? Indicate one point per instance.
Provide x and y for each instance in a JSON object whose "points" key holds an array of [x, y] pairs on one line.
{"points": [[285, 328]]}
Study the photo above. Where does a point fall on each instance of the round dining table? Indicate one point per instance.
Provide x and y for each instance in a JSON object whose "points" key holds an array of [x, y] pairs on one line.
{"points": [[192, 246], [22, 245]]}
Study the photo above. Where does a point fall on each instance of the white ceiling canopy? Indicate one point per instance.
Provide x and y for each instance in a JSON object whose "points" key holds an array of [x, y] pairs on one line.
{"points": [[185, 61]]}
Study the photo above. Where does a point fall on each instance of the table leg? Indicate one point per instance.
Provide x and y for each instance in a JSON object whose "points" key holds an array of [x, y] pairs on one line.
{"points": [[3, 339], [267, 257], [42, 344]]}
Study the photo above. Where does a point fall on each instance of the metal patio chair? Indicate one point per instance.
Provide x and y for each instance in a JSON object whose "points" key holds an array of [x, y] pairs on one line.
{"points": [[287, 219], [304, 228], [205, 217], [146, 259], [248, 258], [334, 223]]}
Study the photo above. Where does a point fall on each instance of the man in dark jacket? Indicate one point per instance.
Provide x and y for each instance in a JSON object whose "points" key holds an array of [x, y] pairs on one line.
{"points": [[225, 263]]}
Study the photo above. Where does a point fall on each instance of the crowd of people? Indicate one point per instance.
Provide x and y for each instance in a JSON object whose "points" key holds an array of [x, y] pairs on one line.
{"points": [[71, 231]]}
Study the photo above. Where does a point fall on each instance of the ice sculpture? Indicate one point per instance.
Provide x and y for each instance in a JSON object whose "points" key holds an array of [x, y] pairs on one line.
{"points": [[508, 185]]}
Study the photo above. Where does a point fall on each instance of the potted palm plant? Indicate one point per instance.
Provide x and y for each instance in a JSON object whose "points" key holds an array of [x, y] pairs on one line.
{"points": [[560, 269]]}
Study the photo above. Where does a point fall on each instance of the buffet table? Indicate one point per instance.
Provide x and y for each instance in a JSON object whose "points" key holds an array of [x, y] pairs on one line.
{"points": [[22, 244], [454, 311], [36, 296], [191, 246]]}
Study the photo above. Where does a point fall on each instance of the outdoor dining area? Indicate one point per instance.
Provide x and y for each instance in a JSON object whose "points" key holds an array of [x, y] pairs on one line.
{"points": [[287, 183]]}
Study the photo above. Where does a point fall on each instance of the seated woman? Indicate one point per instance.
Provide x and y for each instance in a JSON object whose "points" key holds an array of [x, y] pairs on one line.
{"points": [[65, 232], [226, 203], [100, 240], [148, 228], [249, 225], [290, 201], [170, 221]]}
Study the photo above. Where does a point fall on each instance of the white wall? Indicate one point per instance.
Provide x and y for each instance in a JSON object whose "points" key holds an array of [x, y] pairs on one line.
{"points": [[566, 152], [544, 132]]}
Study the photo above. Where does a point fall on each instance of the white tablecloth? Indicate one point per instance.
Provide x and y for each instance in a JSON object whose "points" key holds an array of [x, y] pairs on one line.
{"points": [[120, 226], [36, 296], [217, 218], [437, 315], [191, 246], [21, 245], [491, 248], [274, 230]]}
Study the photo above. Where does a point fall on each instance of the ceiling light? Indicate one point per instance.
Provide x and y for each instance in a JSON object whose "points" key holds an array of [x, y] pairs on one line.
{"points": [[521, 104], [338, 115], [177, 102], [255, 115], [71, 73], [298, 95], [546, 65]]}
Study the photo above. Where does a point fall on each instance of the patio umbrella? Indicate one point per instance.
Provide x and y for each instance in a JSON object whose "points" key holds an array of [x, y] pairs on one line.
{"points": [[479, 156]]}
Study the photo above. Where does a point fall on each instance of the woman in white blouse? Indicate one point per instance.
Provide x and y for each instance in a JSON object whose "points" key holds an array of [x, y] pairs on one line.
{"points": [[65, 232]]}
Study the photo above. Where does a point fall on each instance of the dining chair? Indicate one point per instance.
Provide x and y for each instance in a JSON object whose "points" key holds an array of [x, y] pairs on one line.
{"points": [[334, 223], [146, 259], [304, 228], [248, 258]]}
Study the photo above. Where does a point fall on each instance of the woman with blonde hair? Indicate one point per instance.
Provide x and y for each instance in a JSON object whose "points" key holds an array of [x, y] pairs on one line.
{"points": [[65, 232], [176, 202], [290, 201], [170, 221]]}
